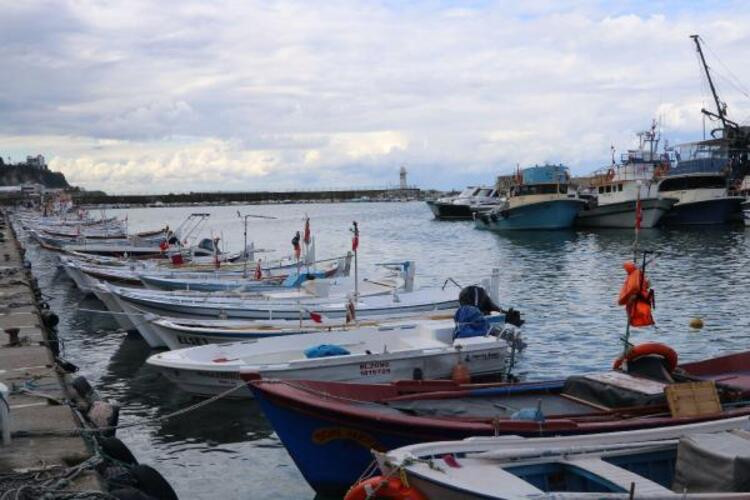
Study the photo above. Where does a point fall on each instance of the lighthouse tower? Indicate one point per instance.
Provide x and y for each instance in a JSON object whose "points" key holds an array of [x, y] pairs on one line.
{"points": [[402, 177]]}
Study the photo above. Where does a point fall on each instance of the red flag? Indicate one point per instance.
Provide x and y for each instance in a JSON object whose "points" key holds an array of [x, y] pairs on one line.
{"points": [[317, 317], [306, 238], [638, 215], [355, 238]]}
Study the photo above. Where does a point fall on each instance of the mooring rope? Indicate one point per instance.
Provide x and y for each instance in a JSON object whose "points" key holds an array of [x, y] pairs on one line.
{"points": [[177, 413]]}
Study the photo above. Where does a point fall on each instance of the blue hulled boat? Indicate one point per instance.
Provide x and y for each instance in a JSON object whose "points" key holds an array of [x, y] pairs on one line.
{"points": [[542, 200], [329, 428], [702, 187]]}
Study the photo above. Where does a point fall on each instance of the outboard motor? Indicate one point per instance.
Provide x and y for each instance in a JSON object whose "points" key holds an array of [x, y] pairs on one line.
{"points": [[477, 296], [513, 317]]}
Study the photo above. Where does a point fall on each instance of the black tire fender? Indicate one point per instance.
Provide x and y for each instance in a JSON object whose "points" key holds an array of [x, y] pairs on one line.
{"points": [[152, 483]]}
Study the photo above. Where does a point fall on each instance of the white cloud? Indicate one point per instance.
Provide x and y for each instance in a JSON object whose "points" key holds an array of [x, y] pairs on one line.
{"points": [[179, 96]]}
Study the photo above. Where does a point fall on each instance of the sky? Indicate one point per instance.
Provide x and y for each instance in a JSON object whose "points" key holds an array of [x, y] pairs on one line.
{"points": [[179, 96]]}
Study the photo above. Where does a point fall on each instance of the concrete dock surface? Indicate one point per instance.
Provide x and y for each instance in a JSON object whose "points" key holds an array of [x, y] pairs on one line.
{"points": [[41, 428]]}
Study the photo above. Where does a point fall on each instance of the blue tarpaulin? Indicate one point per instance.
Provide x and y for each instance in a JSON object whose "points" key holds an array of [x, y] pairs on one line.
{"points": [[324, 350], [470, 322]]}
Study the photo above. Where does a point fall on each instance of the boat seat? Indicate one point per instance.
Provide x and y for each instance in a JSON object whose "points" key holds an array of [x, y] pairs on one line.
{"points": [[619, 476]]}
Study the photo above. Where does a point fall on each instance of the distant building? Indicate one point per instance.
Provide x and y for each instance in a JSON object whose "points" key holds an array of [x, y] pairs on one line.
{"points": [[36, 162], [402, 177]]}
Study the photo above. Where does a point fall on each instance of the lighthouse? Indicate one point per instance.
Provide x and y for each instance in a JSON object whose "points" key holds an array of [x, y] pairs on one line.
{"points": [[402, 177]]}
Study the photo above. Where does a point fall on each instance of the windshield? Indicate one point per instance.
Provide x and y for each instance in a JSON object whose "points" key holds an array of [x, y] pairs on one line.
{"points": [[692, 182]]}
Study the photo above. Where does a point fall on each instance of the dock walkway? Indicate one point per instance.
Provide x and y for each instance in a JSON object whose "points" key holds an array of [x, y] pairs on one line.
{"points": [[40, 426]]}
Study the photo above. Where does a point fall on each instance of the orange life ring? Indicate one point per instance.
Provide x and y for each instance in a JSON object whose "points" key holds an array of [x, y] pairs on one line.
{"points": [[662, 350], [385, 487]]}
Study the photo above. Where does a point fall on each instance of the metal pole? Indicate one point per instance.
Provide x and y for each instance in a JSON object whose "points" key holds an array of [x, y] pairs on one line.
{"points": [[356, 278], [244, 270], [719, 109]]}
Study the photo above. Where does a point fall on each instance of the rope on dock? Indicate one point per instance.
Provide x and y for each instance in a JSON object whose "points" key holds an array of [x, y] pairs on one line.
{"points": [[49, 482], [83, 430]]}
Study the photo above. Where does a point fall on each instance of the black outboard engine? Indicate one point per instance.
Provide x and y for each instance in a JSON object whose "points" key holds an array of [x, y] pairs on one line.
{"points": [[513, 317], [477, 296]]}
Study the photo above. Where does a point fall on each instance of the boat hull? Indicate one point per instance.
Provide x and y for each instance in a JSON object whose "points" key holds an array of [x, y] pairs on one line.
{"points": [[120, 317], [256, 310], [555, 214], [378, 369], [450, 211], [746, 213], [715, 211], [319, 422], [622, 215]]}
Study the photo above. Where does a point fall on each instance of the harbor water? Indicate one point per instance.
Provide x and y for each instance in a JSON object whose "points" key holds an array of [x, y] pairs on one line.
{"points": [[564, 282]]}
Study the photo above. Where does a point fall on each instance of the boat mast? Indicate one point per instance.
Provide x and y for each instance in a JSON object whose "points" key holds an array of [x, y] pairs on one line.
{"points": [[721, 107]]}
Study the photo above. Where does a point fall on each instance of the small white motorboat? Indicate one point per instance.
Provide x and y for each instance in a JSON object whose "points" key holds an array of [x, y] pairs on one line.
{"points": [[180, 333], [703, 460], [369, 354]]}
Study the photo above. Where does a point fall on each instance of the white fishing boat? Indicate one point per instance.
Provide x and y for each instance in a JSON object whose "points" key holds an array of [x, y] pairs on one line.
{"points": [[271, 278], [424, 348], [101, 291], [621, 191], [179, 333], [378, 299], [703, 460]]}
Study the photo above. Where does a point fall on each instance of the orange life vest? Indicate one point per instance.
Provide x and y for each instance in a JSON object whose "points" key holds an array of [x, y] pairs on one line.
{"points": [[636, 296]]}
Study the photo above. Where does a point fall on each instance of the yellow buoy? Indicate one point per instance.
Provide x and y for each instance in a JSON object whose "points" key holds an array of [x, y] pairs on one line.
{"points": [[696, 323]]}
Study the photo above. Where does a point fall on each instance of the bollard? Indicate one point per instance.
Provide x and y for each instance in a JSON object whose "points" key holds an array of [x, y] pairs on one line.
{"points": [[13, 334], [5, 414]]}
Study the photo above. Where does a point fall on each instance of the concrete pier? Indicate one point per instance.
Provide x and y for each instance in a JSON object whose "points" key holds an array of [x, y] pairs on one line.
{"points": [[40, 426]]}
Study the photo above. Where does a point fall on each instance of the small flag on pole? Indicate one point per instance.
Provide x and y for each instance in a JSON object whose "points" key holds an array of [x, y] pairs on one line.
{"points": [[355, 237], [315, 316], [306, 238], [258, 271]]}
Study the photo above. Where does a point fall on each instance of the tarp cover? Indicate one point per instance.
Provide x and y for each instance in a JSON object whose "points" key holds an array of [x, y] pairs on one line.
{"points": [[608, 395], [470, 322], [713, 463], [324, 350]]}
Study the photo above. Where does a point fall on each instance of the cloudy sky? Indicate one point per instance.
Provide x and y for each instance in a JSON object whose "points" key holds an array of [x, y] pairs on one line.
{"points": [[172, 96]]}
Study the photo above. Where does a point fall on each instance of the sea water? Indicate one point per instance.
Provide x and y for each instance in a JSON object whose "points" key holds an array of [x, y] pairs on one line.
{"points": [[564, 282]]}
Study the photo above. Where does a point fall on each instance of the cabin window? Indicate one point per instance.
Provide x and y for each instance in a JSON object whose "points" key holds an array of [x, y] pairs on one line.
{"points": [[609, 189], [619, 187], [601, 189], [678, 183]]}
